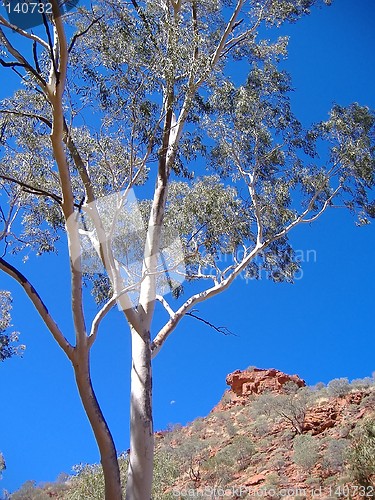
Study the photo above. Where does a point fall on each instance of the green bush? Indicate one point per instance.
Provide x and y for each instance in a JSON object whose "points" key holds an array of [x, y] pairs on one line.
{"points": [[197, 425], [187, 451], [29, 491], [238, 454], [362, 383], [289, 407], [88, 483], [361, 454], [338, 387], [218, 472], [166, 470], [334, 455], [306, 451], [260, 426]]}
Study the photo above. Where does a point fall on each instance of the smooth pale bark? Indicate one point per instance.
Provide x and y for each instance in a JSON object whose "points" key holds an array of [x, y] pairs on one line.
{"points": [[140, 472], [108, 456]]}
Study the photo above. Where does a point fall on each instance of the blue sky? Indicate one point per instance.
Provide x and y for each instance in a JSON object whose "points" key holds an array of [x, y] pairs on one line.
{"points": [[322, 327]]}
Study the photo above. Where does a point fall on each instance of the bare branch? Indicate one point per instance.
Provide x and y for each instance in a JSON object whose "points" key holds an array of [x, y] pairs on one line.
{"points": [[221, 329], [39, 306], [164, 333], [98, 318], [35, 55], [23, 33], [165, 304]]}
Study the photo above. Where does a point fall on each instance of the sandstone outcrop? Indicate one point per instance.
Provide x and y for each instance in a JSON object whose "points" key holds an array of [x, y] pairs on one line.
{"points": [[258, 380]]}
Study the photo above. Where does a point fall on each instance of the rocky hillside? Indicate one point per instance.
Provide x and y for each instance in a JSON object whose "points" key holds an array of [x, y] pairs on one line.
{"points": [[270, 436]]}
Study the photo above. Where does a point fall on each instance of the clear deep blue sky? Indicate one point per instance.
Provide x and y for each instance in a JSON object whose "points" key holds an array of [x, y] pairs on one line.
{"points": [[322, 327]]}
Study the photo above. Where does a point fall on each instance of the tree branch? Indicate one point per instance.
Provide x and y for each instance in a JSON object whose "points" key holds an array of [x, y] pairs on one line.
{"points": [[106, 254], [167, 329], [301, 218], [20, 59], [221, 329], [32, 189], [165, 304], [82, 33], [323, 209], [23, 33], [145, 22], [27, 115], [104, 311], [164, 333], [39, 306], [55, 91], [98, 318], [228, 30]]}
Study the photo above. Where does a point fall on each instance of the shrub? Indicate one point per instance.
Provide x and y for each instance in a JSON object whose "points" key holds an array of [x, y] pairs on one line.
{"points": [[362, 383], [241, 451], [368, 401], [173, 434], [88, 483], [338, 387], [290, 407], [231, 429], [361, 454], [226, 397], [197, 425], [260, 426], [188, 451], [219, 474], [334, 455], [166, 470], [278, 459], [306, 451], [29, 491], [241, 418], [272, 485], [222, 417]]}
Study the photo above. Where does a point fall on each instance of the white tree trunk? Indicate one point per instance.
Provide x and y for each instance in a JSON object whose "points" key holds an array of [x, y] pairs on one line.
{"points": [[139, 484]]}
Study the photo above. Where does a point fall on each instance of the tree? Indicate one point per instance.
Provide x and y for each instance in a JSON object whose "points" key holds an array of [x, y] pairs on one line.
{"points": [[157, 75], [2, 464], [7, 340], [289, 407]]}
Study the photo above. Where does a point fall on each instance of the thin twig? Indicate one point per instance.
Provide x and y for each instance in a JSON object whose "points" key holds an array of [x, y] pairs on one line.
{"points": [[221, 329]]}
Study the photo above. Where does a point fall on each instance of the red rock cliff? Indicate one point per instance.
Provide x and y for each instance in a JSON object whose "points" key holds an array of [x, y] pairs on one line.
{"points": [[258, 380]]}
